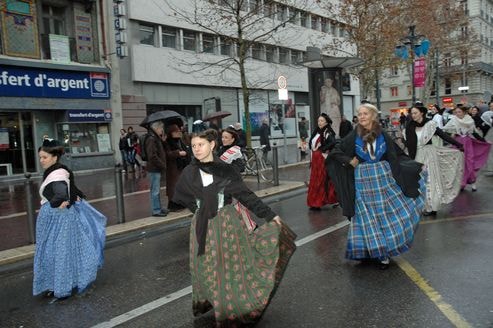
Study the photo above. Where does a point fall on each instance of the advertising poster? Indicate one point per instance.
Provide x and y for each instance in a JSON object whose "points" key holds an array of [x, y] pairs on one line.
{"points": [[327, 95]]}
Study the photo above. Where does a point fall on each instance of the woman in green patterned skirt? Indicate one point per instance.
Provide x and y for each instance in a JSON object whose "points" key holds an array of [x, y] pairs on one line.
{"points": [[234, 272]]}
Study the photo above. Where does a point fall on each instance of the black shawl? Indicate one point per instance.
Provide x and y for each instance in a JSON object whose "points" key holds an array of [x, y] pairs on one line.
{"points": [[405, 171], [411, 137], [74, 191], [226, 180]]}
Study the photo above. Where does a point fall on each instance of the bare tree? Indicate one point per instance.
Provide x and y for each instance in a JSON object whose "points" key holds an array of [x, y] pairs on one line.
{"points": [[244, 25], [376, 27]]}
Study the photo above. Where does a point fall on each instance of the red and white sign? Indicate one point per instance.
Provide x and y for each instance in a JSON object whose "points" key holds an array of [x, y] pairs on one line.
{"points": [[419, 72]]}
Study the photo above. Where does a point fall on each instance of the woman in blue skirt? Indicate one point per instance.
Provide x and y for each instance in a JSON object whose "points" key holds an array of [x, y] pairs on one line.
{"points": [[70, 233], [380, 190]]}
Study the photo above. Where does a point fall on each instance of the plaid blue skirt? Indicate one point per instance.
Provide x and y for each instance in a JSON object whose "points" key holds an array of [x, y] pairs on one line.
{"points": [[385, 219]]}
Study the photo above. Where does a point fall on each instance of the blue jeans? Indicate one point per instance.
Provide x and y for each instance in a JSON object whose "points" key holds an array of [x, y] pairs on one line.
{"points": [[155, 179]]}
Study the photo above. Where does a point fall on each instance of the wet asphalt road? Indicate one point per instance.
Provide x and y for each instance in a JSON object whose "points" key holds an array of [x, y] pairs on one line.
{"points": [[444, 281]]}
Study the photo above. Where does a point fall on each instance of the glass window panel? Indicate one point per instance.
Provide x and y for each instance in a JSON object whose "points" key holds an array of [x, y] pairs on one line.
{"points": [[208, 43], [146, 34], [81, 138], [189, 40], [256, 51], [169, 37], [226, 47], [269, 54], [283, 56]]}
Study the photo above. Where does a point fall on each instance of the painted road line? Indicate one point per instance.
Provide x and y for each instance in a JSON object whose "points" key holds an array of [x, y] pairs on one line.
{"points": [[188, 290], [488, 215], [145, 308], [454, 317]]}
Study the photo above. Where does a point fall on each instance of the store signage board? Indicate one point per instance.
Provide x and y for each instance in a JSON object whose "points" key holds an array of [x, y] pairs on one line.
{"points": [[44, 83]]}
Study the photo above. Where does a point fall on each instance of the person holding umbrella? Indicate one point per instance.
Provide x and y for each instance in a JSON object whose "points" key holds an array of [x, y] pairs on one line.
{"points": [[156, 165]]}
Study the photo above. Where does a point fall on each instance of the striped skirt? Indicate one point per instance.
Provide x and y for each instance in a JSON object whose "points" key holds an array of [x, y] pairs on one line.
{"points": [[239, 272], [385, 219]]}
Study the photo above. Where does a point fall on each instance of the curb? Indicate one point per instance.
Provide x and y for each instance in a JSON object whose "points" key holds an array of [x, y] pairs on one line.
{"points": [[22, 253]]}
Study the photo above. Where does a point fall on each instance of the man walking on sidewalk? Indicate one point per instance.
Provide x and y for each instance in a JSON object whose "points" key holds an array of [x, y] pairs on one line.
{"points": [[156, 164]]}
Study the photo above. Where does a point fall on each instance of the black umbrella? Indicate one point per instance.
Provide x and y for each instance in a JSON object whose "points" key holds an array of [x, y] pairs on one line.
{"points": [[167, 116], [218, 115]]}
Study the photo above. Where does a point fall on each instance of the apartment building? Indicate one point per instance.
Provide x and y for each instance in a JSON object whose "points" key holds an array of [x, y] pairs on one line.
{"points": [[163, 50]]}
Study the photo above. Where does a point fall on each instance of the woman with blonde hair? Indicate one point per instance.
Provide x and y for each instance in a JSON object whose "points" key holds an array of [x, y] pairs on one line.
{"points": [[379, 190]]}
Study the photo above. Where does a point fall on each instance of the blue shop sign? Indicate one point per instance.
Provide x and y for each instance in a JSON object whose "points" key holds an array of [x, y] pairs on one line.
{"points": [[45, 83], [89, 115]]}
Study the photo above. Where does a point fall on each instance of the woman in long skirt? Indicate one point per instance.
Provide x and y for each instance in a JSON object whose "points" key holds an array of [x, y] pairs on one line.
{"points": [[234, 271], [70, 233], [382, 194], [444, 165], [321, 190], [476, 150]]}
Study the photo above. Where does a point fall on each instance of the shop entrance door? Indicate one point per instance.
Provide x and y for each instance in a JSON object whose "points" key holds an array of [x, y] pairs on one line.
{"points": [[11, 150]]}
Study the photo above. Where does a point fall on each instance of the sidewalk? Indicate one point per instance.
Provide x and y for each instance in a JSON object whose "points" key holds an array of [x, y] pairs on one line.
{"points": [[291, 176]]}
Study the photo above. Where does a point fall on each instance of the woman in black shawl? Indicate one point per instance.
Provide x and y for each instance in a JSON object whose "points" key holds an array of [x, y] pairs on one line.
{"points": [[233, 271]]}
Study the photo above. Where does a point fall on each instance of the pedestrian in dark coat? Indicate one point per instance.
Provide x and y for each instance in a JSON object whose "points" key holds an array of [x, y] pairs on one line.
{"points": [[156, 165], [264, 137], [345, 127], [177, 157]]}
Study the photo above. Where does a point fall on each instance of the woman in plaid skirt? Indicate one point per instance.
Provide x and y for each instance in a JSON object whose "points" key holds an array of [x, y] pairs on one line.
{"points": [[380, 190]]}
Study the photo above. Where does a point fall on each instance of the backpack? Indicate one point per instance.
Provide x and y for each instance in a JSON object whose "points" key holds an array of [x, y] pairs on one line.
{"points": [[142, 141]]}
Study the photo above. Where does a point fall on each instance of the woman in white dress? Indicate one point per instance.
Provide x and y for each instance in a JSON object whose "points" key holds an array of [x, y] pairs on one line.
{"points": [[444, 165]]}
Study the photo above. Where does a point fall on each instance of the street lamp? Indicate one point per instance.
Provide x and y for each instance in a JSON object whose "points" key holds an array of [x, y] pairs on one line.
{"points": [[418, 46]]}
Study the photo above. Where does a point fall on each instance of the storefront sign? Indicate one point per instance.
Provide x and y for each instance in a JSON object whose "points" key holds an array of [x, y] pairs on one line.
{"points": [[402, 104], [447, 100], [30, 82], [89, 115]]}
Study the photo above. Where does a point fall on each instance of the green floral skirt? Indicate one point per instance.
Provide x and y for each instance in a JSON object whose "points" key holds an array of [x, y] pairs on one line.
{"points": [[239, 271]]}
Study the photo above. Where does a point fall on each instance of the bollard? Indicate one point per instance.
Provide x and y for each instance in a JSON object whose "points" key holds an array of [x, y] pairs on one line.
{"points": [[275, 165], [120, 206], [28, 187]]}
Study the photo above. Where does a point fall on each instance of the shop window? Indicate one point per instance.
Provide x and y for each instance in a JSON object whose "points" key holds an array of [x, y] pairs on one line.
{"points": [[146, 34], [83, 138], [169, 37]]}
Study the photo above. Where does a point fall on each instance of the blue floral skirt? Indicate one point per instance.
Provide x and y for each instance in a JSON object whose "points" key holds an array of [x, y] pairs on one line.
{"points": [[385, 219], [69, 248]]}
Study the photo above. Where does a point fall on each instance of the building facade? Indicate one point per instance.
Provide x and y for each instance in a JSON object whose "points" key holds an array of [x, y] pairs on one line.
{"points": [[53, 84], [163, 51], [474, 73]]}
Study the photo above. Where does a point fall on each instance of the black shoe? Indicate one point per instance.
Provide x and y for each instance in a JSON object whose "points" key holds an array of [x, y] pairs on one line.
{"points": [[161, 215], [432, 213], [315, 208]]}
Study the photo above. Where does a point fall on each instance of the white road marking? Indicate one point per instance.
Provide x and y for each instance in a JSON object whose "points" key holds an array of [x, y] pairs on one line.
{"points": [[188, 290]]}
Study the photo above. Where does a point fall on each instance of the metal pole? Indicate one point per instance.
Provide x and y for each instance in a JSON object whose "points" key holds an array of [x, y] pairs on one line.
{"points": [[284, 132], [411, 38], [23, 143], [30, 208], [377, 91], [275, 165], [120, 206]]}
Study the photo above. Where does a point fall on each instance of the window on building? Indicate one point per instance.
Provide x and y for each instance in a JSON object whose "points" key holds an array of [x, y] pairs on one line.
{"points": [[270, 54], [226, 47], [342, 32], [146, 34], [189, 40], [433, 88], [269, 9], [314, 21], [283, 56], [464, 81], [169, 37], [256, 51], [394, 70], [253, 5], [448, 87], [284, 11], [295, 57], [83, 138], [54, 20], [303, 19], [333, 29], [464, 59], [394, 91], [324, 25], [464, 32], [208, 43], [409, 90]]}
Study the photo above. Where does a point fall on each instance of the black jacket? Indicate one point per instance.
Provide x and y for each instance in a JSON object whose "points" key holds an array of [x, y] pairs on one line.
{"points": [[405, 171], [264, 136]]}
